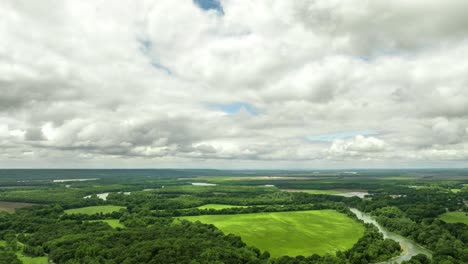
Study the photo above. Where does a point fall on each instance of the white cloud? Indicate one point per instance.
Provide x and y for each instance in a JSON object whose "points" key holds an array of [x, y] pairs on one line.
{"points": [[357, 147], [133, 83]]}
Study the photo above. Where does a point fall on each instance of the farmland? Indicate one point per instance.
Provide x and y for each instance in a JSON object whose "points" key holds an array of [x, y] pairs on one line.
{"points": [[11, 206], [290, 233]]}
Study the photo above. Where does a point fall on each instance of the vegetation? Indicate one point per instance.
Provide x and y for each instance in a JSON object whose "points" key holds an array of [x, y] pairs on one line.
{"points": [[290, 233], [241, 220], [91, 210], [218, 206], [455, 217], [114, 223]]}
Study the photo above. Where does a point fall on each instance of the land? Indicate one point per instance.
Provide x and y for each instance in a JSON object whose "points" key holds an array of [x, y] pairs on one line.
{"points": [[218, 206], [91, 210], [286, 233], [114, 223], [11, 206], [455, 217], [267, 217]]}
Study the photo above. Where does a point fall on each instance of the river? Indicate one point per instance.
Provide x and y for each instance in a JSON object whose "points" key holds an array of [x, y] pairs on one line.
{"points": [[410, 248]]}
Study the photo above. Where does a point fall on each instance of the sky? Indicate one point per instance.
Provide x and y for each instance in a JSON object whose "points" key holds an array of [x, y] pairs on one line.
{"points": [[237, 84]]}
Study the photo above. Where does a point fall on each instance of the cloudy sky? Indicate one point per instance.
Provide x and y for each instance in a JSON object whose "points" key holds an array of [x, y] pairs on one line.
{"points": [[234, 83]]}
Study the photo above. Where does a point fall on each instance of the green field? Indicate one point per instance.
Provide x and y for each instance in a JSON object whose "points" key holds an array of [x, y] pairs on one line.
{"points": [[310, 191], [290, 233], [26, 259], [455, 217], [32, 260], [114, 223], [219, 206], [90, 210]]}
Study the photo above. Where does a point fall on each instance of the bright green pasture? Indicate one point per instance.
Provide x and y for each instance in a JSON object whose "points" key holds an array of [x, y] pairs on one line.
{"points": [[290, 233], [219, 206], [455, 190], [32, 260], [90, 210], [114, 223], [455, 217]]}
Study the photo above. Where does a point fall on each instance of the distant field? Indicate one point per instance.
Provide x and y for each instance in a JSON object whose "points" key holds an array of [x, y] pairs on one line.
{"points": [[26, 259], [90, 210], [309, 191], [219, 206], [333, 191], [11, 206], [32, 260], [455, 217], [455, 190], [114, 223], [290, 233]]}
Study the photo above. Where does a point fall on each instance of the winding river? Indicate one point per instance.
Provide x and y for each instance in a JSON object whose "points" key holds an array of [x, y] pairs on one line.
{"points": [[410, 248]]}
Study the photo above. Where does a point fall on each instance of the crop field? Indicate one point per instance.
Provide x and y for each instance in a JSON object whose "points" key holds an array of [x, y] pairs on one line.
{"points": [[455, 217], [219, 206], [90, 210], [11, 206], [290, 233]]}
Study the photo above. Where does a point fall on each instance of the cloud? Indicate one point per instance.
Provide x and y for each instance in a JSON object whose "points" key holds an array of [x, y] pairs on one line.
{"points": [[359, 147], [341, 135], [233, 83]]}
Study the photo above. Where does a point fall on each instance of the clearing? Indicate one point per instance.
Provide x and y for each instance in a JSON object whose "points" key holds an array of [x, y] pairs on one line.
{"points": [[11, 206], [90, 210], [455, 217], [114, 223], [219, 206], [290, 233]]}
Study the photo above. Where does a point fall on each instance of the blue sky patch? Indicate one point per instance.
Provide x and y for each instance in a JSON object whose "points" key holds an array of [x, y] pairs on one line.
{"points": [[341, 135], [234, 108], [146, 46], [210, 5]]}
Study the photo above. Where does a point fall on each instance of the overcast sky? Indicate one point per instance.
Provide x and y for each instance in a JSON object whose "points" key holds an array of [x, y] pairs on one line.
{"points": [[234, 84]]}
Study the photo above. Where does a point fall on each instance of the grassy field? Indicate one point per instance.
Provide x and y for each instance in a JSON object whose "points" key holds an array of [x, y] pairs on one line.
{"points": [[11, 206], [219, 206], [32, 260], [317, 191], [290, 233], [26, 259], [114, 223], [90, 210], [455, 217]]}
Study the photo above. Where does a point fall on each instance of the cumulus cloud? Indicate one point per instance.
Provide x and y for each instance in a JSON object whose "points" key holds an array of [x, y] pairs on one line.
{"points": [[233, 83], [359, 146]]}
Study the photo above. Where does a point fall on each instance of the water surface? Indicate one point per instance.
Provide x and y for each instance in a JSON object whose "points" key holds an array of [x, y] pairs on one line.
{"points": [[410, 248]]}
